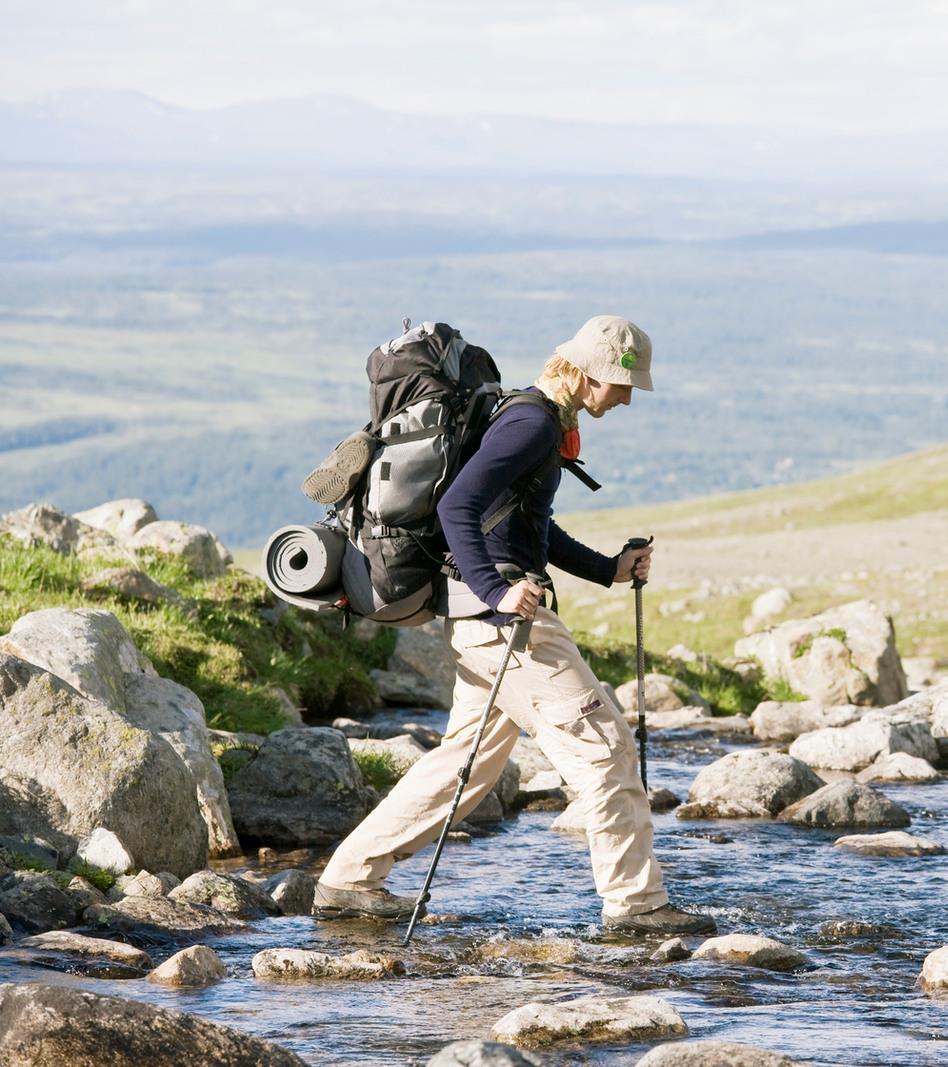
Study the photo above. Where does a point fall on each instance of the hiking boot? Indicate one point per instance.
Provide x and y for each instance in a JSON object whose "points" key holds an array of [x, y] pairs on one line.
{"points": [[663, 920], [338, 473], [330, 903]]}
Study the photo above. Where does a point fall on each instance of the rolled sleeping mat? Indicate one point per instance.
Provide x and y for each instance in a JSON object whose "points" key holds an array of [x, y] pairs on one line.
{"points": [[303, 565]]}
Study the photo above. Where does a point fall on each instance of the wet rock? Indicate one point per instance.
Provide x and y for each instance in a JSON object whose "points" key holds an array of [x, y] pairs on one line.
{"points": [[489, 810], [405, 689], [713, 1054], [934, 976], [893, 843], [846, 655], [42, 524], [752, 951], [527, 950], [143, 884], [748, 784], [403, 750], [845, 804], [481, 1054], [591, 1018], [94, 956], [6, 930], [300, 963], [70, 765], [572, 820], [508, 785], [203, 553], [194, 966], [33, 902], [545, 791], [424, 651], [104, 850], [853, 747], [157, 920], [120, 518], [898, 767], [225, 893], [671, 951], [774, 720], [662, 800], [856, 929], [292, 891], [300, 788], [45, 1025], [129, 583]]}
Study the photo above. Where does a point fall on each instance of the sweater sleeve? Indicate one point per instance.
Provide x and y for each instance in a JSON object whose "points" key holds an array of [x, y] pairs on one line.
{"points": [[576, 558], [514, 445]]}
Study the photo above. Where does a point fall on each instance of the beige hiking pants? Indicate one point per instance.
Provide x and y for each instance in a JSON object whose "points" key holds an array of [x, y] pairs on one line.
{"points": [[553, 695]]}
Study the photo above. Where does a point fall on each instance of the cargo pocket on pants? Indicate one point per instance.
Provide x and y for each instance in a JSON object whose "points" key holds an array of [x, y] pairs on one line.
{"points": [[585, 716]]}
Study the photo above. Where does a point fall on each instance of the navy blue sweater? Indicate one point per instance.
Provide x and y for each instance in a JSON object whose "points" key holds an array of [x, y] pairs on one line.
{"points": [[516, 444]]}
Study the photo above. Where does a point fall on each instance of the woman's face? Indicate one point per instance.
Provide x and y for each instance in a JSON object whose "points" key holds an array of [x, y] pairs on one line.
{"points": [[599, 397]]}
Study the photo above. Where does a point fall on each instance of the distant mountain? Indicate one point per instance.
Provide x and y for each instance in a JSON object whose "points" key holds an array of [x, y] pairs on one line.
{"points": [[908, 237], [110, 128]]}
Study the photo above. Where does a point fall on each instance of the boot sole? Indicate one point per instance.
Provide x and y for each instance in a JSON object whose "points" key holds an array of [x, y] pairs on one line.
{"points": [[336, 476]]}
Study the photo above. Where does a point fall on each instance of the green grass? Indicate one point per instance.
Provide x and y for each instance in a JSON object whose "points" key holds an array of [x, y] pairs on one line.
{"points": [[102, 880], [217, 642], [834, 631], [379, 769]]}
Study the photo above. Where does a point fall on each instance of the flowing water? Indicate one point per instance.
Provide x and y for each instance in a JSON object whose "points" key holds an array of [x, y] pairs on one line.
{"points": [[523, 925]]}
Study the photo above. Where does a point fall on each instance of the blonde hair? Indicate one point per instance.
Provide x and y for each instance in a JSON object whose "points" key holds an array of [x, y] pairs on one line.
{"points": [[561, 381]]}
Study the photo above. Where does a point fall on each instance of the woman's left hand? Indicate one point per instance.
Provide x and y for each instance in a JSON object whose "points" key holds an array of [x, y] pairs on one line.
{"points": [[634, 561]]}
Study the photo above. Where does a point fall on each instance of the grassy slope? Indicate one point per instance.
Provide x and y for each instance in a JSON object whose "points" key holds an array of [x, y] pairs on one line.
{"points": [[907, 486]]}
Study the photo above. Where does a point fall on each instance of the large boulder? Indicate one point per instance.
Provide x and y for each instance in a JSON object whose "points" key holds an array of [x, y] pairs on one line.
{"points": [[203, 553], [748, 784], [34, 903], [91, 650], [853, 747], [145, 921], [713, 1054], [46, 1025], [42, 524], [69, 765], [121, 518], [846, 655], [774, 720], [591, 1018], [227, 893], [845, 804], [424, 651], [300, 788]]}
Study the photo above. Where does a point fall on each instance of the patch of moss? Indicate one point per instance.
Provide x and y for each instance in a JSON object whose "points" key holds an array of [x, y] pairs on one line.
{"points": [[379, 769], [102, 880], [807, 643], [20, 861], [779, 689]]}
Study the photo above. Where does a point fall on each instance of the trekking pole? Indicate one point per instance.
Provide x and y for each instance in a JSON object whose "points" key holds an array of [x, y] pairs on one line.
{"points": [[517, 642], [637, 583]]}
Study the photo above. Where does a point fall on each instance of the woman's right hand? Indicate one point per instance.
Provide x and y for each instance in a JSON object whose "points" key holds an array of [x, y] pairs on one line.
{"points": [[521, 599]]}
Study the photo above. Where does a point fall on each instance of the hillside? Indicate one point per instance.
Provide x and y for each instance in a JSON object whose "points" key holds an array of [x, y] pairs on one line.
{"points": [[879, 532]]}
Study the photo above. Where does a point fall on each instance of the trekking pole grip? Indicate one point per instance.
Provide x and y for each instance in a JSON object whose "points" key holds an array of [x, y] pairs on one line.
{"points": [[638, 542]]}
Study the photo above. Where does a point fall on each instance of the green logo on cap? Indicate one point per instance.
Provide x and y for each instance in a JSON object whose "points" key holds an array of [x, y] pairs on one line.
{"points": [[628, 360]]}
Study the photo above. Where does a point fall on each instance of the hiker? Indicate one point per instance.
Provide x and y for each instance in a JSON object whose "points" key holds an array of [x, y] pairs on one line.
{"points": [[549, 691]]}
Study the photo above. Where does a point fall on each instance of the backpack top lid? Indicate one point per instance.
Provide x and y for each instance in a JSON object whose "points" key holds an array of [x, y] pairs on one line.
{"points": [[432, 359]]}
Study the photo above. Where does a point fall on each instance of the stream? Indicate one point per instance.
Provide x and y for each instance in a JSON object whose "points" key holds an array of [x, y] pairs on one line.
{"points": [[524, 925]]}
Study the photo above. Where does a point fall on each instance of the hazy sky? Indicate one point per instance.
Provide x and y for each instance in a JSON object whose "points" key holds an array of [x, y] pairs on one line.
{"points": [[854, 65]]}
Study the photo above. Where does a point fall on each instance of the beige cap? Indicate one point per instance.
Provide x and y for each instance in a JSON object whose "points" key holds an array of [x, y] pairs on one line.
{"points": [[611, 349]]}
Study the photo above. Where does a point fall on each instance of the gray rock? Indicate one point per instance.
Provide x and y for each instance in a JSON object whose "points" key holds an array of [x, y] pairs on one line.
{"points": [[28, 847], [671, 951], [300, 963], [129, 583], [292, 890], [69, 765], [662, 800], [752, 951], [489, 810], [748, 784], [403, 750], [692, 717], [42, 524], [529, 758], [508, 785], [864, 668], [120, 518], [934, 976], [475, 1053], [6, 930], [84, 893], [158, 920], [203, 553], [853, 747], [591, 1018], [845, 804], [94, 956], [662, 693], [424, 651], [892, 843], [939, 721], [226, 893], [104, 850], [194, 966], [33, 902], [46, 1025], [773, 720], [301, 788], [405, 689], [855, 929], [713, 1054], [898, 767]]}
